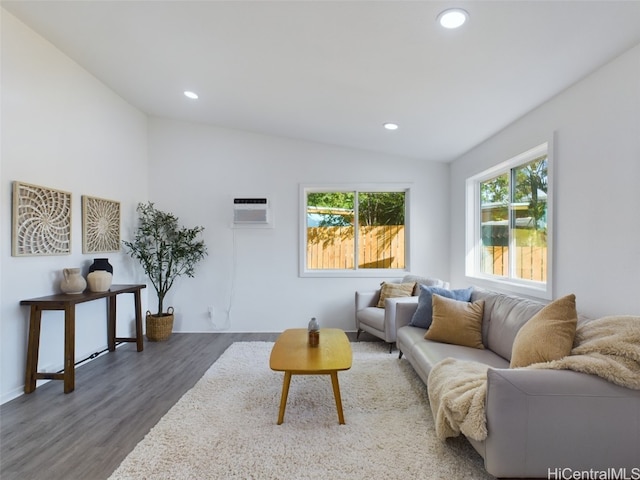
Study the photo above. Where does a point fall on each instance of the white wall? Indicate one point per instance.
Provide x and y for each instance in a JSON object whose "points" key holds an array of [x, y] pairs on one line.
{"points": [[61, 128], [597, 174], [196, 171]]}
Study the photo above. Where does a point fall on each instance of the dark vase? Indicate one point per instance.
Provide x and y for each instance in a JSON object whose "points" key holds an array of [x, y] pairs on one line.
{"points": [[101, 264]]}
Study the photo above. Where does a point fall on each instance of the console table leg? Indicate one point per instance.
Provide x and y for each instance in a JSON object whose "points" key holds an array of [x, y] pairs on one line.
{"points": [[138, 307], [111, 323], [69, 348], [35, 319]]}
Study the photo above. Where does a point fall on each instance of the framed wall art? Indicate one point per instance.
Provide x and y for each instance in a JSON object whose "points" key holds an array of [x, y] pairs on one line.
{"points": [[41, 221], [100, 225]]}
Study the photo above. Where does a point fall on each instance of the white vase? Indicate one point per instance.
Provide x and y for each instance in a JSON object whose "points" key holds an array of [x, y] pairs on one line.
{"points": [[99, 280], [72, 282]]}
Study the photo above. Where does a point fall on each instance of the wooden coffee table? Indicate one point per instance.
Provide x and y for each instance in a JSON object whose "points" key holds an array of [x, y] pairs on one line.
{"points": [[292, 355]]}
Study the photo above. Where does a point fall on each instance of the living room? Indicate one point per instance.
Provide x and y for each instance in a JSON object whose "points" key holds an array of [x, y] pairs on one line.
{"points": [[65, 128]]}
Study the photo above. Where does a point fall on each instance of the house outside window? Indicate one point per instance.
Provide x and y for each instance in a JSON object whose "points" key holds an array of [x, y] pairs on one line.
{"points": [[509, 239], [356, 230]]}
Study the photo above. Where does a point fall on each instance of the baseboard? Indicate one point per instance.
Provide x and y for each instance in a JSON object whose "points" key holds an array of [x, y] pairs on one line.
{"points": [[241, 331], [52, 368]]}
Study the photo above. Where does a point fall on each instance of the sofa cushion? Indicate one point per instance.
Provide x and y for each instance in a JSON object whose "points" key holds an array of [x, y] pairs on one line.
{"points": [[372, 316], [456, 322], [504, 315], [428, 281], [424, 354], [548, 335], [394, 290], [424, 313]]}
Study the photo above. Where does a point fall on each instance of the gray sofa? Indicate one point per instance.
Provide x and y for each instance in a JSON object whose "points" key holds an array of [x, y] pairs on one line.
{"points": [[539, 421]]}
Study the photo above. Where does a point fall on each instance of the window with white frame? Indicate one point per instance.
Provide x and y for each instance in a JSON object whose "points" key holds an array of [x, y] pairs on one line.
{"points": [[509, 222], [354, 230]]}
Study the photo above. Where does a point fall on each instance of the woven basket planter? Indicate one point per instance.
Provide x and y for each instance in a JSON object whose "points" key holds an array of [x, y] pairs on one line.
{"points": [[159, 327]]}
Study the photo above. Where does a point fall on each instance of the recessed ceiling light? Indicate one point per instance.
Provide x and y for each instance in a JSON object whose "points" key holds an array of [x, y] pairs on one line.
{"points": [[453, 17], [390, 126], [191, 95]]}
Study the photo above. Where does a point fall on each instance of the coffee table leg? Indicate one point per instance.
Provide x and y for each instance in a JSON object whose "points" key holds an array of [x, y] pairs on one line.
{"points": [[285, 394], [336, 393]]}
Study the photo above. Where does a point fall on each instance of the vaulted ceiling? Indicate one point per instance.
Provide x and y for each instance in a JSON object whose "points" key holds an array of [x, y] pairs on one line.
{"points": [[335, 71]]}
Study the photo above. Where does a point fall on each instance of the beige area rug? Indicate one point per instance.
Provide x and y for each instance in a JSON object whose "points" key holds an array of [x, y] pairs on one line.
{"points": [[225, 426]]}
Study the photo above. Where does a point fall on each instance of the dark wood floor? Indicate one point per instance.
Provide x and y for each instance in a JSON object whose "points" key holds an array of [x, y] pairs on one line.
{"points": [[118, 398]]}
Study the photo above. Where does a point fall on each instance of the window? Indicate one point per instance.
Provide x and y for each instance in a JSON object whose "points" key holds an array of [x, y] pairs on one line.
{"points": [[353, 231], [509, 224]]}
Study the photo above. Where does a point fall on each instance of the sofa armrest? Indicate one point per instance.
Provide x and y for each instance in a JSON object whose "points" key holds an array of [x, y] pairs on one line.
{"points": [[397, 310], [539, 420], [405, 310]]}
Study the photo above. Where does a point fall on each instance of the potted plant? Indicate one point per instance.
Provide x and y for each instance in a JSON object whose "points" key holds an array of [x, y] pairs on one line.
{"points": [[166, 251]]}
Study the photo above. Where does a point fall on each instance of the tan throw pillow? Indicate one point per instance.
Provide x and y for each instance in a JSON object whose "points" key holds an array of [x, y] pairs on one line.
{"points": [[548, 335], [393, 290], [456, 322]]}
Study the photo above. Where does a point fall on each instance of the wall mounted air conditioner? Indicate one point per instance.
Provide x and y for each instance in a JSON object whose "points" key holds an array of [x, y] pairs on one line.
{"points": [[251, 212]]}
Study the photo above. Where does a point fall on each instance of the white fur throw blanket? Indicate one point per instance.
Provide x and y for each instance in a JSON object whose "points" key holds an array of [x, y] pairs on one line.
{"points": [[457, 390], [608, 347]]}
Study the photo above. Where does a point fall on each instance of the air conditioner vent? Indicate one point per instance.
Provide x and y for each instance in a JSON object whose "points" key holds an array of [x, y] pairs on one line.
{"points": [[251, 211]]}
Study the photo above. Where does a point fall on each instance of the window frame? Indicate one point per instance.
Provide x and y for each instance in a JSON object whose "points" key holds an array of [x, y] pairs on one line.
{"points": [[473, 271], [360, 188]]}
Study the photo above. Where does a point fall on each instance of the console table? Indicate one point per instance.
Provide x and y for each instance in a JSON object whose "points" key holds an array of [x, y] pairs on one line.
{"points": [[68, 302]]}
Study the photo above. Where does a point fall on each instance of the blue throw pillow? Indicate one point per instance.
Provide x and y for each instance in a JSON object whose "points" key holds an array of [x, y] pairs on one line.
{"points": [[424, 313]]}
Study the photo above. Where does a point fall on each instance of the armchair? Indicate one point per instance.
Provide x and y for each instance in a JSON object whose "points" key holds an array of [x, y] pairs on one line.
{"points": [[381, 322]]}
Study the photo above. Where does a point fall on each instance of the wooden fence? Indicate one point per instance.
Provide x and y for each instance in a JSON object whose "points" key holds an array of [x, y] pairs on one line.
{"points": [[531, 262], [334, 247], [383, 247]]}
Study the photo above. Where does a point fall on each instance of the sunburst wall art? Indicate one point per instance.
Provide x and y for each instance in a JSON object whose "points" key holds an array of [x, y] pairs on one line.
{"points": [[100, 225], [41, 221]]}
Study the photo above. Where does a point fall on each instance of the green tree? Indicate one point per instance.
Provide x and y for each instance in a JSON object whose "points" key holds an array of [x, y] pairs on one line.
{"points": [[381, 208], [531, 179], [374, 208], [328, 202], [331, 199], [495, 190]]}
